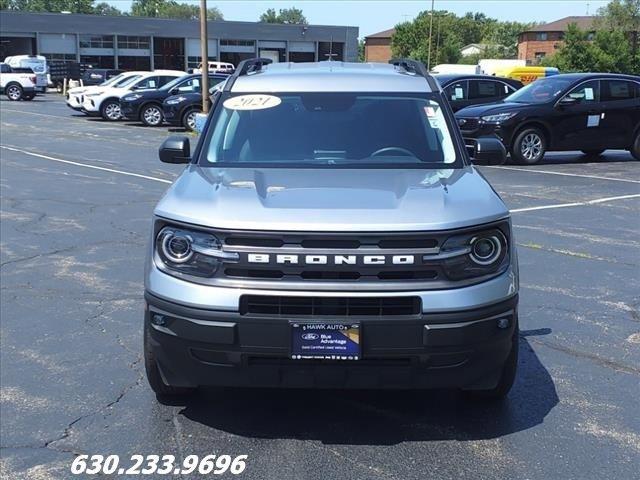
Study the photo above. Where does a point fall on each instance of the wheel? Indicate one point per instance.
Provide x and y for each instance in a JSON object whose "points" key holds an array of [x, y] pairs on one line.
{"points": [[635, 148], [14, 92], [151, 115], [529, 146], [189, 119], [593, 153], [507, 377], [154, 378], [28, 97], [110, 110]]}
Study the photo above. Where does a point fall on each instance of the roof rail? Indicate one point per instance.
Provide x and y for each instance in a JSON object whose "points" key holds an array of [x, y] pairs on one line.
{"points": [[417, 67], [245, 67]]}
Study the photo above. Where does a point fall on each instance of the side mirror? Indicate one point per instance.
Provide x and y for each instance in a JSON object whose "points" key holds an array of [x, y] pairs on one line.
{"points": [[489, 151], [566, 101], [174, 91], [175, 149]]}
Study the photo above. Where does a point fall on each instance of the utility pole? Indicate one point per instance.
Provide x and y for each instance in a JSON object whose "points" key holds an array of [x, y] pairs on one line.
{"points": [[204, 52], [430, 31], [437, 57]]}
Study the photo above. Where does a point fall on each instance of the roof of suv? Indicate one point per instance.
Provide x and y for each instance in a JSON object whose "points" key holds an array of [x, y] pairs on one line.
{"points": [[331, 77]]}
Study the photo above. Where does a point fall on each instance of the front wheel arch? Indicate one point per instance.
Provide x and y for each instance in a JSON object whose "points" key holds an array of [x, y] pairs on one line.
{"points": [[540, 126]]}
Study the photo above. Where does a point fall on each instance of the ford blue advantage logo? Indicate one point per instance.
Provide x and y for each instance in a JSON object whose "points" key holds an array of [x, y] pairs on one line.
{"points": [[310, 336]]}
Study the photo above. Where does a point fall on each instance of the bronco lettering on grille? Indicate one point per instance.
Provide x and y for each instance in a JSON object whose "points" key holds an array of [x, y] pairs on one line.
{"points": [[291, 259]]}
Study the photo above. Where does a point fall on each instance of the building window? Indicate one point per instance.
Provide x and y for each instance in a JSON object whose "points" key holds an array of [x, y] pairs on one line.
{"points": [[98, 61], [542, 36], [133, 42], [194, 62], [540, 55], [126, 62], [68, 57], [243, 43], [96, 41], [330, 51]]}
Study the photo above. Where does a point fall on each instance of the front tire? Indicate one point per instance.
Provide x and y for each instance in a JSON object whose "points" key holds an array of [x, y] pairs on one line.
{"points": [[635, 148], [154, 378], [529, 146], [189, 119], [110, 110], [151, 115], [14, 92]]}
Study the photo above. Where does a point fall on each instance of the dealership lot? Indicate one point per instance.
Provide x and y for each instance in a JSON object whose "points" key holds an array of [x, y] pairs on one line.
{"points": [[77, 197]]}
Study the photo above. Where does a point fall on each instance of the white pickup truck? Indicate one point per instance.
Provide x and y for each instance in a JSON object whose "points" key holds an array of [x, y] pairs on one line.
{"points": [[17, 85]]}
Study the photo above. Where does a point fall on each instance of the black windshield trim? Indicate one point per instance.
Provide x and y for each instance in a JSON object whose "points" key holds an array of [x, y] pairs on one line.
{"points": [[461, 157]]}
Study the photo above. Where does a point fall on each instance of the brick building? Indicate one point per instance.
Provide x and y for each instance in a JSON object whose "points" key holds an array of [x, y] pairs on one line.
{"points": [[377, 47], [543, 40]]}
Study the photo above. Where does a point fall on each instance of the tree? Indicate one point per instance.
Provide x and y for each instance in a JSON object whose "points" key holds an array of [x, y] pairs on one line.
{"points": [[361, 57], [291, 16], [104, 8], [73, 6], [171, 9], [450, 33], [623, 16]]}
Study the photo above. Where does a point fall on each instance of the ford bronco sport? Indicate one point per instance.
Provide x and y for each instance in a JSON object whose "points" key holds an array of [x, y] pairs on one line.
{"points": [[329, 230]]}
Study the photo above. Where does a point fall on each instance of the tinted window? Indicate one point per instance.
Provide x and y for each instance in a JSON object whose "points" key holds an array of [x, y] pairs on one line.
{"points": [[457, 91], [149, 82], [483, 89], [586, 92], [541, 91], [329, 130], [615, 90]]}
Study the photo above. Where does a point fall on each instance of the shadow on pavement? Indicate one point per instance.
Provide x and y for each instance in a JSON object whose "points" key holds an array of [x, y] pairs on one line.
{"points": [[379, 417]]}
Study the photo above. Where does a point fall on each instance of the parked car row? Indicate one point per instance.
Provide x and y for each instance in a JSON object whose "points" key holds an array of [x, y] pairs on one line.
{"points": [[588, 112], [149, 97]]}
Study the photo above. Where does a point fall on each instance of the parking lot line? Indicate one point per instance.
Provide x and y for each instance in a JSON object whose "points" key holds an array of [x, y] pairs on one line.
{"points": [[565, 174], [575, 204], [95, 167], [99, 124], [162, 180]]}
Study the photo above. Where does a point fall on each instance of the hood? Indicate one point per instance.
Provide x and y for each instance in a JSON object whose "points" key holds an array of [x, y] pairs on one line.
{"points": [[332, 200], [490, 109]]}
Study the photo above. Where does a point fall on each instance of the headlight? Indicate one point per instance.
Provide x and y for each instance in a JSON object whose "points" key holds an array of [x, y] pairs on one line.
{"points": [[190, 252], [131, 98], [481, 253], [91, 94], [174, 101], [498, 117]]}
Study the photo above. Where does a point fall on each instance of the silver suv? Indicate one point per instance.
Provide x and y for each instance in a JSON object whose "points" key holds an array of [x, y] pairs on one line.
{"points": [[329, 230]]}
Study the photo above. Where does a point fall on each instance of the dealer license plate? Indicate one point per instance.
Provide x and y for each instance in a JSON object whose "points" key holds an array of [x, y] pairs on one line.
{"points": [[328, 341]]}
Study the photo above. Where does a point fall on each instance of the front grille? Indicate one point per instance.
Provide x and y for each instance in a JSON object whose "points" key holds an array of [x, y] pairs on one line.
{"points": [[271, 244], [468, 124], [329, 306]]}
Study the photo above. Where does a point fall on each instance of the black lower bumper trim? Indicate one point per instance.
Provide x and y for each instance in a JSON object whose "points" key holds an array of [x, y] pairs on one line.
{"points": [[463, 349]]}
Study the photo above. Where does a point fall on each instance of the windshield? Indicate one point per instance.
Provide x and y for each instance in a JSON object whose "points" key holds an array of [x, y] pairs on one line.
{"points": [[172, 83], [329, 129], [540, 91], [112, 80], [123, 82]]}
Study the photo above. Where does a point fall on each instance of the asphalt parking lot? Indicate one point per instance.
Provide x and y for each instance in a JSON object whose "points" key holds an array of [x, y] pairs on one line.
{"points": [[77, 197]]}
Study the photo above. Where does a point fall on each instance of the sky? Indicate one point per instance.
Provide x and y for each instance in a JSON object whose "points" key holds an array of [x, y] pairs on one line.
{"points": [[373, 16]]}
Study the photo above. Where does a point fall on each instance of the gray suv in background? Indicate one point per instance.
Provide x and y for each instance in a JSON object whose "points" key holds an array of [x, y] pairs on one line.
{"points": [[330, 231]]}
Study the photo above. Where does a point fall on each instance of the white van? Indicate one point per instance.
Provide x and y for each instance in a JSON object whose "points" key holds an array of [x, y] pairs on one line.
{"points": [[37, 63], [217, 67], [456, 68]]}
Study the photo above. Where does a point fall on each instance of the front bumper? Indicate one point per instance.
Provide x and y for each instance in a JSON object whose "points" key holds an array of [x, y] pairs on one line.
{"points": [[171, 114], [130, 111], [465, 349], [90, 105], [503, 132], [454, 342]]}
